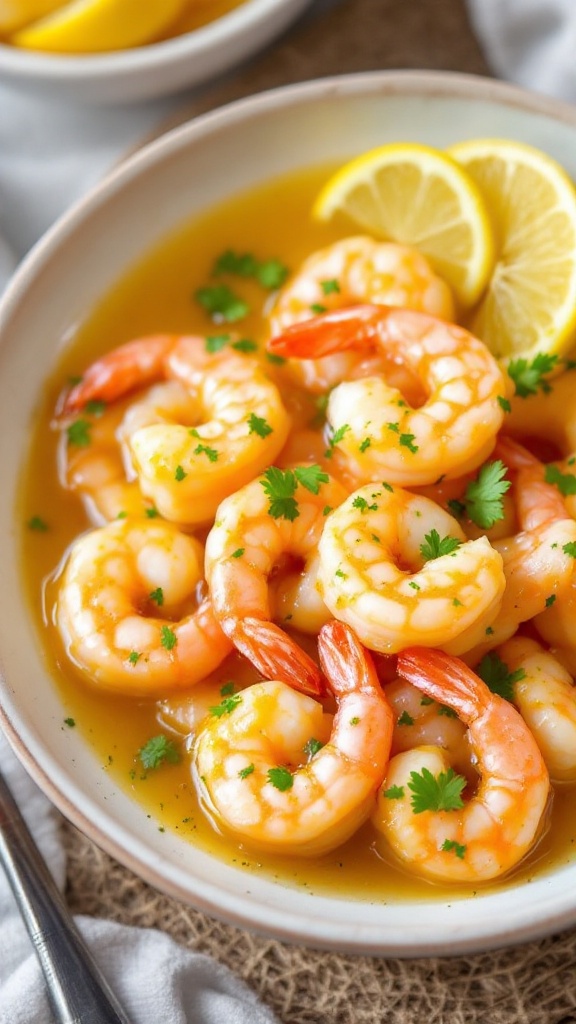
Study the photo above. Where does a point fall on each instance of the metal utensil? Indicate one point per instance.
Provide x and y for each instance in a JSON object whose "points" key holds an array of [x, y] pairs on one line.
{"points": [[78, 992]]}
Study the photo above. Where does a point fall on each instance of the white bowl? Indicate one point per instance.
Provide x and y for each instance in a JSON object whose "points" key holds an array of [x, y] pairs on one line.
{"points": [[151, 71], [70, 268]]}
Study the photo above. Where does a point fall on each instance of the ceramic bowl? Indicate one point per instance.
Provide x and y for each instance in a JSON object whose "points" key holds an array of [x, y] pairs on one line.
{"points": [[147, 72], [75, 264]]}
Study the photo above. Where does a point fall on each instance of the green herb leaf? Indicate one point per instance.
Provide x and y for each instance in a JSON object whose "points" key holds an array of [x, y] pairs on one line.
{"points": [[311, 747], [565, 482], [311, 477], [222, 303], [497, 676], [168, 638], [530, 377], [204, 449], [281, 778], [78, 433], [436, 546], [37, 524], [226, 706], [215, 343], [258, 425], [157, 596], [451, 844], [330, 287], [157, 750], [245, 772], [483, 498], [393, 792], [280, 486], [436, 793]]}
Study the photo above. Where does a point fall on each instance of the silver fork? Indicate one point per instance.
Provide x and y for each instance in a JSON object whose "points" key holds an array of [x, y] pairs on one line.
{"points": [[78, 992]]}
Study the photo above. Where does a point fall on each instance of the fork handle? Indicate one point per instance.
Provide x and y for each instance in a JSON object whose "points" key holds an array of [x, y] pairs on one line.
{"points": [[78, 992]]}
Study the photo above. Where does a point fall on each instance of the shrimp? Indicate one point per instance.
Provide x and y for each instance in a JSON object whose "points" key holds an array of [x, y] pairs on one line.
{"points": [[91, 464], [545, 696], [249, 541], [130, 609], [538, 561], [236, 426], [381, 572], [503, 819], [372, 423], [348, 272], [421, 721], [250, 762]]}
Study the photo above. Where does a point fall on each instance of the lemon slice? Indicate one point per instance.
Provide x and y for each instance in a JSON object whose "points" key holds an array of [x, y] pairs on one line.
{"points": [[16, 13], [418, 196], [530, 303], [88, 26]]}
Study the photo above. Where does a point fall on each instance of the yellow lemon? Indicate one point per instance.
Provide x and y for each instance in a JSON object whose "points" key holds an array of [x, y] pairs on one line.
{"points": [[418, 196], [16, 13], [88, 26], [530, 303]]}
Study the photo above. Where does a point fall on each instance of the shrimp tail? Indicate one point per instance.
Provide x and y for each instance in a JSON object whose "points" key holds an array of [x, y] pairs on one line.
{"points": [[444, 678], [353, 326], [345, 662], [277, 656], [134, 365]]}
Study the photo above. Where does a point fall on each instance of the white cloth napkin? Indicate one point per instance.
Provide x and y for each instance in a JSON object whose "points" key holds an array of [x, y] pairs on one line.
{"points": [[156, 980], [530, 42]]}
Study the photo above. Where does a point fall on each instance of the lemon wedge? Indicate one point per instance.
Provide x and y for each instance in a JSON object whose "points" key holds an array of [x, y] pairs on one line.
{"points": [[530, 302], [89, 26], [418, 196], [16, 13]]}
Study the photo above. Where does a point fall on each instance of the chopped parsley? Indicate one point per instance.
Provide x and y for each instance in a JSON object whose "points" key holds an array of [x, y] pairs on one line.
{"points": [[311, 747], [134, 657], [529, 378], [280, 487], [226, 705], [204, 449], [393, 792], [157, 596], [70, 722], [435, 546], [458, 848], [238, 553], [180, 474], [168, 638], [497, 676], [245, 772], [221, 303], [216, 342], [483, 497], [258, 425], [361, 504], [281, 778], [405, 719], [157, 750], [330, 287], [335, 439], [570, 548], [436, 792], [565, 482], [38, 524], [95, 407], [269, 273], [78, 433]]}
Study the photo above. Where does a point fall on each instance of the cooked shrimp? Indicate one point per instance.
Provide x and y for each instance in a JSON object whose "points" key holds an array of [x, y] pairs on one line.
{"points": [[538, 561], [91, 464], [374, 573], [250, 539], [372, 423], [500, 823], [250, 761], [348, 272], [131, 612], [545, 696], [421, 721], [236, 426]]}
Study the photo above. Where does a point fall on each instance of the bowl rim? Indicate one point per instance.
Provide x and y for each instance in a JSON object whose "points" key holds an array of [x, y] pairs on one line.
{"points": [[244, 19], [281, 925]]}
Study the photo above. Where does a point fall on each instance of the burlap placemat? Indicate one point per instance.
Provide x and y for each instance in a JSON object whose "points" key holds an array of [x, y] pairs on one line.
{"points": [[532, 984]]}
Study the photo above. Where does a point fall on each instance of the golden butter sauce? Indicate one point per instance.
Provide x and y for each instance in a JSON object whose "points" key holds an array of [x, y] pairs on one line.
{"points": [[157, 295]]}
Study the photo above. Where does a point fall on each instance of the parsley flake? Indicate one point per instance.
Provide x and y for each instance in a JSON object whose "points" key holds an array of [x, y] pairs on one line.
{"points": [[330, 287], [245, 772], [280, 487], [180, 474], [78, 433], [311, 747], [436, 793], [281, 778], [226, 706], [436, 546], [134, 657], [393, 792], [221, 303], [216, 342], [458, 848], [405, 719], [530, 377], [168, 638], [258, 425], [497, 676], [157, 596], [570, 548], [238, 553], [38, 524], [157, 750], [483, 502], [204, 449], [565, 482]]}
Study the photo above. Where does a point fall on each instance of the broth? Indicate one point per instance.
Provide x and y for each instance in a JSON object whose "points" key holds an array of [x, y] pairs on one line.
{"points": [[156, 295]]}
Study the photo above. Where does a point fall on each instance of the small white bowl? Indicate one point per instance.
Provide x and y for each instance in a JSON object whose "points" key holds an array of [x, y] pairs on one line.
{"points": [[68, 272], [147, 72]]}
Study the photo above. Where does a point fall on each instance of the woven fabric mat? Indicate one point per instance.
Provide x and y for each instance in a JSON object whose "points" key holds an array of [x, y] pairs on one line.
{"points": [[531, 984]]}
